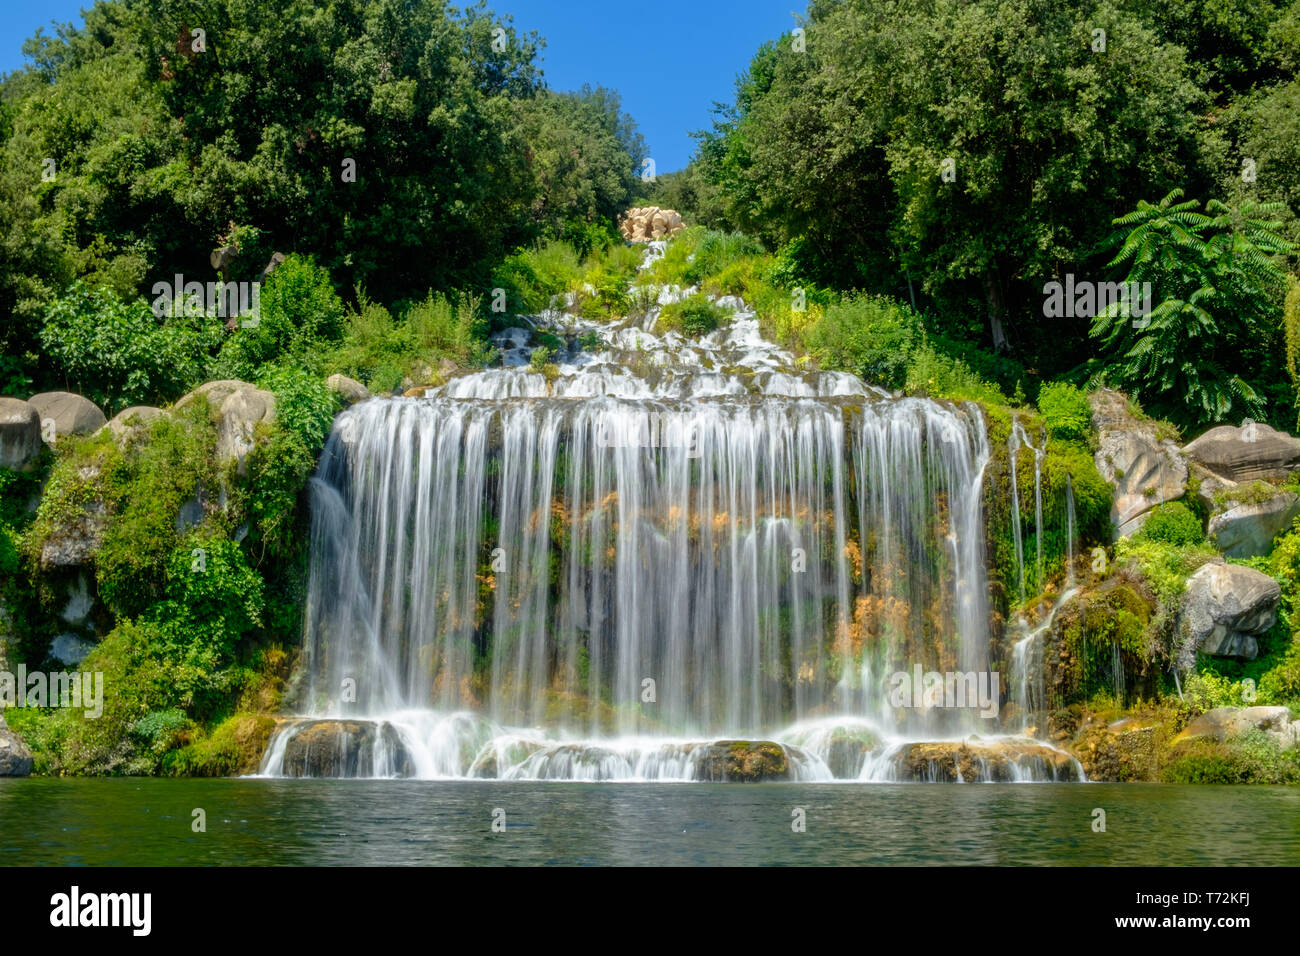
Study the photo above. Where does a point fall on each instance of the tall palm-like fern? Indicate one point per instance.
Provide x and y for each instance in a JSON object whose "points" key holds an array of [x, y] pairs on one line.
{"points": [[1216, 279]]}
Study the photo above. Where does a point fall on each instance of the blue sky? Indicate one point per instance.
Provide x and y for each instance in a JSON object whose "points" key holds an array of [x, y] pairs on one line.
{"points": [[668, 59]]}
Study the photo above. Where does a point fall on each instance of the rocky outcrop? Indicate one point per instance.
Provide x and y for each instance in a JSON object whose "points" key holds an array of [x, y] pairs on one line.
{"points": [[975, 760], [344, 748], [132, 424], [648, 223], [1144, 469], [745, 761], [238, 408], [1246, 528], [74, 539], [1122, 751], [1253, 451], [15, 757], [1224, 609], [20, 433], [63, 414], [348, 389], [1223, 723]]}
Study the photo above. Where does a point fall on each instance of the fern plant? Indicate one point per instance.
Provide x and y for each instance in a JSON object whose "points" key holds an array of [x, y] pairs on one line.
{"points": [[1217, 283]]}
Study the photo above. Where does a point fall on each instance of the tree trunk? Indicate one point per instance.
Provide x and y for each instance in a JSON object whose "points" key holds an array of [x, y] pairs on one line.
{"points": [[997, 309]]}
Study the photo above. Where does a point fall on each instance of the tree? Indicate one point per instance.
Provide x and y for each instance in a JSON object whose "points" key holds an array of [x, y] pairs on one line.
{"points": [[1215, 335]]}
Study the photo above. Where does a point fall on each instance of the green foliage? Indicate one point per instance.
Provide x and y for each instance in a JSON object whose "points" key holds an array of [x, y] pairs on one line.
{"points": [[1166, 567], [1253, 757], [1172, 523], [1065, 411], [873, 337], [116, 353], [692, 316], [1213, 337], [300, 316], [534, 277]]}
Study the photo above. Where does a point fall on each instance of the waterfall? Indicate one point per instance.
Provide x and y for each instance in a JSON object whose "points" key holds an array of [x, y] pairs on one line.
{"points": [[1020, 439], [620, 571], [1069, 531]]}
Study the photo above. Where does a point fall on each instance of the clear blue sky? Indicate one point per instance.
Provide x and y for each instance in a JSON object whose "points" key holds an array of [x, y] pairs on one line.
{"points": [[668, 59]]}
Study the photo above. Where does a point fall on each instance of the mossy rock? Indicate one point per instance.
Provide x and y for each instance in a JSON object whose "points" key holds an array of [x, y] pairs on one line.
{"points": [[745, 761], [234, 748]]}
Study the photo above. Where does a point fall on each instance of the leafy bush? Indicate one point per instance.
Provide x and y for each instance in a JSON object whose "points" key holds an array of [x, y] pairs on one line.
{"points": [[693, 316], [1065, 410], [117, 353], [300, 316], [1172, 523], [874, 337]]}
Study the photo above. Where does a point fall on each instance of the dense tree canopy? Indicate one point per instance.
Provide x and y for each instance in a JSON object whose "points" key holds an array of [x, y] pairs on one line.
{"points": [[404, 145]]}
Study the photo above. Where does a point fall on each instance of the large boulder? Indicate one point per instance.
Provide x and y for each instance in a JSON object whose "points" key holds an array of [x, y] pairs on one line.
{"points": [[1224, 609], [1247, 453], [743, 761], [20, 433], [132, 424], [70, 414], [345, 748], [348, 389], [1245, 528], [1144, 469], [1223, 723], [15, 757], [238, 408]]}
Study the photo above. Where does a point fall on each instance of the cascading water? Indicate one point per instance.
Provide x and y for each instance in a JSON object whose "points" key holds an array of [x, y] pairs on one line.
{"points": [[615, 571]]}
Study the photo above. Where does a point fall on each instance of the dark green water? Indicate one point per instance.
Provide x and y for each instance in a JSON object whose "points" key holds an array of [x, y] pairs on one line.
{"points": [[360, 822]]}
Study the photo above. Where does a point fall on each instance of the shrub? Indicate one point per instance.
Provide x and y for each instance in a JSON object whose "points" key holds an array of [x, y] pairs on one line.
{"points": [[1065, 410], [117, 353], [693, 316], [1172, 523], [871, 336], [300, 316]]}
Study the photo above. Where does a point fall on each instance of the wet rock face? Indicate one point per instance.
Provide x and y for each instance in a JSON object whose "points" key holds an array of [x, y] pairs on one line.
{"points": [[1224, 609], [20, 433], [1251, 451], [63, 413], [970, 761], [744, 761], [343, 748], [1144, 470]]}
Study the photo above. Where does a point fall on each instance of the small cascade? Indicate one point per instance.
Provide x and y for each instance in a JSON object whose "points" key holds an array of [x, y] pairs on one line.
{"points": [[1027, 692], [1020, 439], [1069, 531]]}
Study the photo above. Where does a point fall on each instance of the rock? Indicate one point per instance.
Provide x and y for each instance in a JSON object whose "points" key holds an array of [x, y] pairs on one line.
{"points": [[71, 414], [15, 757], [349, 389], [1247, 529], [222, 259], [1144, 469], [70, 649], [238, 408], [1222, 723], [277, 260], [648, 223], [1122, 751], [1244, 454], [344, 748], [73, 541], [979, 761], [1223, 609], [20, 433], [746, 761], [132, 424]]}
